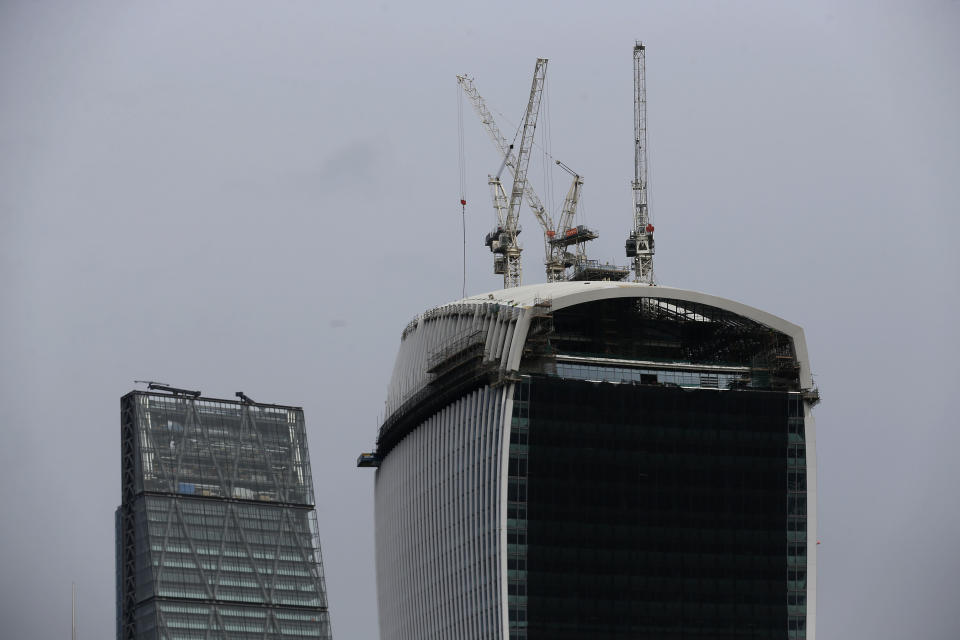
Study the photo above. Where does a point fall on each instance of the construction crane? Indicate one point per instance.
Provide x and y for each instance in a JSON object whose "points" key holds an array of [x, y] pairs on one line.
{"points": [[499, 240], [639, 245], [559, 257], [504, 147], [507, 245], [557, 238], [502, 241], [576, 236]]}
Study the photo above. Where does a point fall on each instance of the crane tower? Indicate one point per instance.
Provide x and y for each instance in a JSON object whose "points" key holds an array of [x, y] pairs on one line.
{"points": [[563, 242], [503, 240], [639, 243], [505, 149]]}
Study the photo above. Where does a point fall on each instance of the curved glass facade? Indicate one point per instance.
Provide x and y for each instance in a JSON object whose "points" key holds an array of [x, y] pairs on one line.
{"points": [[437, 505], [643, 457]]}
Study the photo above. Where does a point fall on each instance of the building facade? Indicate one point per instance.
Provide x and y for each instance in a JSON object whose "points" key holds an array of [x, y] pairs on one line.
{"points": [[217, 532], [597, 460]]}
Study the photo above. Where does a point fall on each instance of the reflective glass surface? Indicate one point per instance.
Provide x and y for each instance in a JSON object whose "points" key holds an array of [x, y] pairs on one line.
{"points": [[659, 512], [693, 379], [217, 535]]}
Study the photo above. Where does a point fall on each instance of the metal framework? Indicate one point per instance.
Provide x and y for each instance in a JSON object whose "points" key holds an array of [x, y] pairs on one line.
{"points": [[557, 238], [504, 147], [217, 529], [507, 244], [126, 532], [639, 245], [565, 234]]}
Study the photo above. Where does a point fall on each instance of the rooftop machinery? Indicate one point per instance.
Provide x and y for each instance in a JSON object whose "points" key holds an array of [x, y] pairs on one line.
{"points": [[639, 243]]}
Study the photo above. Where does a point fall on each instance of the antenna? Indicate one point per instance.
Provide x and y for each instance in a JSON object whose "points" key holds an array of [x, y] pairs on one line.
{"points": [[73, 611]]}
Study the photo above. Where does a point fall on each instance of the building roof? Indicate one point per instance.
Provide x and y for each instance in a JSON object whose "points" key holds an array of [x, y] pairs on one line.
{"points": [[566, 294], [526, 295], [500, 320]]}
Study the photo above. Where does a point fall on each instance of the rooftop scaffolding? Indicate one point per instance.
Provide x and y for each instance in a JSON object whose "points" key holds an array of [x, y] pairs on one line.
{"points": [[595, 270]]}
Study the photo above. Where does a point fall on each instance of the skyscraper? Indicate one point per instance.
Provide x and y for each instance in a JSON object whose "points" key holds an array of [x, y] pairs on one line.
{"points": [[216, 533], [597, 460]]}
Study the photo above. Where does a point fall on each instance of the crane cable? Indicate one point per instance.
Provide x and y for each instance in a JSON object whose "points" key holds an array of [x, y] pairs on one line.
{"points": [[463, 184]]}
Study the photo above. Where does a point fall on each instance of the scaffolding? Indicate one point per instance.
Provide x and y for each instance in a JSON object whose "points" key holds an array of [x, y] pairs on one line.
{"points": [[538, 352], [466, 346], [594, 270]]}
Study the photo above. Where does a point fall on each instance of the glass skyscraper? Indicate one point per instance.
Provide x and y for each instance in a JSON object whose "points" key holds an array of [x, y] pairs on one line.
{"points": [[216, 533], [597, 460]]}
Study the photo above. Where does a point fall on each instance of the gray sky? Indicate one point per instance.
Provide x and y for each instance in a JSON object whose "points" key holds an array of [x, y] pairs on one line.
{"points": [[259, 196]]}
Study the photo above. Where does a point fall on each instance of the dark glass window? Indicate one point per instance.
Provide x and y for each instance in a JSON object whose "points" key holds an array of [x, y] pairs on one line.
{"points": [[659, 513]]}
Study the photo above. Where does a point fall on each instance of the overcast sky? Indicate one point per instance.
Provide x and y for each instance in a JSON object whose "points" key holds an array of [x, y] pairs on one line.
{"points": [[259, 196]]}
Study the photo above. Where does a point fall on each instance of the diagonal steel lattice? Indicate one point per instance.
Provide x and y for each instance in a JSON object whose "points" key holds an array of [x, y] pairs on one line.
{"points": [[217, 530]]}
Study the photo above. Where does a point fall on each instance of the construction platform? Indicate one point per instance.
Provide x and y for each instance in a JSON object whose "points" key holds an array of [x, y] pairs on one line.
{"points": [[595, 270]]}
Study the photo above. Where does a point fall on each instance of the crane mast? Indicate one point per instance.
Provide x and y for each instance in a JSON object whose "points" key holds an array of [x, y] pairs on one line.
{"points": [[505, 148], [559, 256], [639, 245], [557, 238], [572, 199], [563, 242], [502, 241]]}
